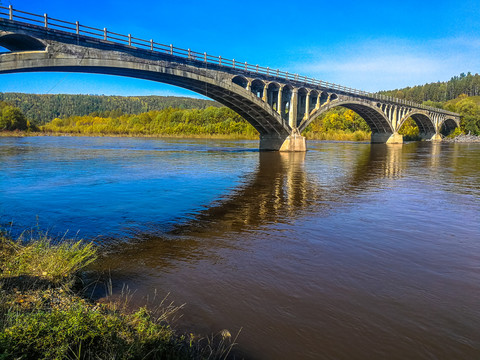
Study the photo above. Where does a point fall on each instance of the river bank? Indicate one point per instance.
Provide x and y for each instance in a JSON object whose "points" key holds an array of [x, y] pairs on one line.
{"points": [[463, 139], [45, 312], [326, 136]]}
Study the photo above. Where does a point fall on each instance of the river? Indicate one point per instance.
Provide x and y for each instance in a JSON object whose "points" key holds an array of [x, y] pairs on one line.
{"points": [[350, 251]]}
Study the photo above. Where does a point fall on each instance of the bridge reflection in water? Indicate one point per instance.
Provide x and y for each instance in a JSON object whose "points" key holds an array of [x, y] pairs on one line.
{"points": [[315, 248], [280, 190]]}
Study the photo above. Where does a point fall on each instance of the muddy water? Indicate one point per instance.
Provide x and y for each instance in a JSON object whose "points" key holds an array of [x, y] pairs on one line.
{"points": [[350, 251]]}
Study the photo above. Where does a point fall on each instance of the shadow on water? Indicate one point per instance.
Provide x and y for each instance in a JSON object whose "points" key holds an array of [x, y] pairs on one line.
{"points": [[282, 187]]}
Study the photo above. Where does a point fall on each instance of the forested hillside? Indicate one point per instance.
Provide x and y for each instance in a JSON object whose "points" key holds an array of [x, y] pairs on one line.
{"points": [[41, 109], [467, 84], [177, 116]]}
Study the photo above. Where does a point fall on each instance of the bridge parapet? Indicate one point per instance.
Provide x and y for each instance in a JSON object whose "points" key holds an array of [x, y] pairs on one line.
{"points": [[278, 104]]}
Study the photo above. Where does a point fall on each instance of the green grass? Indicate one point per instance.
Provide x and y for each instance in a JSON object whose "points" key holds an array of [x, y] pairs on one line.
{"points": [[339, 135], [43, 259], [44, 316]]}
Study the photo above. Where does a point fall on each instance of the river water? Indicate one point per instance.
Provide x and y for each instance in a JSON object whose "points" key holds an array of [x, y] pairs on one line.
{"points": [[350, 251]]}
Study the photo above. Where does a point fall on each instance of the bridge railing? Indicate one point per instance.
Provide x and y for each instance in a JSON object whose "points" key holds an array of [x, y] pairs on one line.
{"points": [[112, 37]]}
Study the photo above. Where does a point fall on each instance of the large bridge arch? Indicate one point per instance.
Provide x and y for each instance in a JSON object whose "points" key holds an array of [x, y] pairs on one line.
{"points": [[425, 123], [448, 125], [376, 120], [86, 60]]}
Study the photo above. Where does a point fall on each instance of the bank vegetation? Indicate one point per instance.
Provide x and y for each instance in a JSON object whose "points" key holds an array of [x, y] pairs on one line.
{"points": [[45, 314], [187, 117]]}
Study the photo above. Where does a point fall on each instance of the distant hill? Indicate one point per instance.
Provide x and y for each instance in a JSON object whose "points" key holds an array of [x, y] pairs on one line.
{"points": [[41, 109], [440, 91]]}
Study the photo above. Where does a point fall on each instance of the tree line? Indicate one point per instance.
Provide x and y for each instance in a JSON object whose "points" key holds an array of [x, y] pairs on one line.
{"points": [[174, 116], [440, 92]]}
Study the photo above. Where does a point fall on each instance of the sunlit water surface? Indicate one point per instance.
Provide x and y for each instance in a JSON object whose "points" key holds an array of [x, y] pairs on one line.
{"points": [[350, 251]]}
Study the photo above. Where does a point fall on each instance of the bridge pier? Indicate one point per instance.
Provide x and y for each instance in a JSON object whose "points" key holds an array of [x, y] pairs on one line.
{"points": [[386, 138], [292, 143], [431, 136]]}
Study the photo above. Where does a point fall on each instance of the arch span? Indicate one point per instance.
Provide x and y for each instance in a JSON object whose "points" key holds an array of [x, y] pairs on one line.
{"points": [[448, 125], [425, 124], [202, 81], [376, 120]]}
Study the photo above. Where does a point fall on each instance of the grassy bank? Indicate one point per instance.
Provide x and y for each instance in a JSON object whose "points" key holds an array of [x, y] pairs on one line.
{"points": [[339, 135], [44, 314]]}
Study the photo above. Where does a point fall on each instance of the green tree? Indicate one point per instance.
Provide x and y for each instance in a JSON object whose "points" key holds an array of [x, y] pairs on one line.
{"points": [[12, 119]]}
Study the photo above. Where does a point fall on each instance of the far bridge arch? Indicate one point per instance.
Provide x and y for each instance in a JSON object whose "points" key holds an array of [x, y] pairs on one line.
{"points": [[373, 116], [448, 125], [425, 124]]}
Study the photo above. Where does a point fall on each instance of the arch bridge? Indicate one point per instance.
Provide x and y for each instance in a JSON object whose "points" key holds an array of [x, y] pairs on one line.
{"points": [[278, 104]]}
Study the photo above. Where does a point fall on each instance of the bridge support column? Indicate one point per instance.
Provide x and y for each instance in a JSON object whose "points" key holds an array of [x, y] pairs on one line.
{"points": [[279, 100], [292, 143], [292, 111], [386, 138], [431, 136]]}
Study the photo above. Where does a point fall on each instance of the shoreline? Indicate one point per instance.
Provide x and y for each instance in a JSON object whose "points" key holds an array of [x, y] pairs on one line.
{"points": [[350, 137], [46, 312]]}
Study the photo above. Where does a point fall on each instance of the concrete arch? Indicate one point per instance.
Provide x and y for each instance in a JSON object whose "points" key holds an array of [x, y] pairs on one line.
{"points": [[301, 102], [323, 98], [374, 117], [202, 81], [448, 125], [240, 81], [273, 84], [313, 100], [257, 87], [285, 103], [273, 89], [21, 42], [422, 119]]}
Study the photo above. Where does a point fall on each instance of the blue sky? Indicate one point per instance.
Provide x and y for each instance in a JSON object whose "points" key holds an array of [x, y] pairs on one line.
{"points": [[369, 45]]}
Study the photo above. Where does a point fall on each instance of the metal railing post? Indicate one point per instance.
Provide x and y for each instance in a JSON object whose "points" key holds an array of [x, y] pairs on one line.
{"points": [[46, 20], [205, 56], [171, 49], [104, 33], [10, 12], [129, 39], [77, 26], [219, 60], [233, 63], [151, 44]]}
